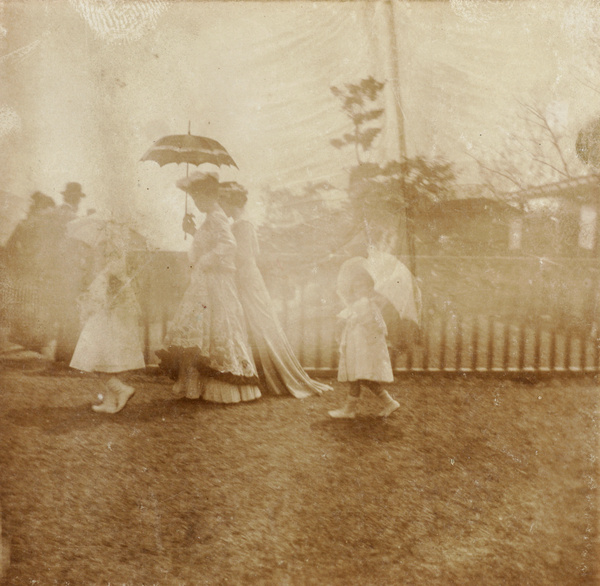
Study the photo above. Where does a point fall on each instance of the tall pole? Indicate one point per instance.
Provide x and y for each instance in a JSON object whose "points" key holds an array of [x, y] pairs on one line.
{"points": [[409, 218], [395, 78]]}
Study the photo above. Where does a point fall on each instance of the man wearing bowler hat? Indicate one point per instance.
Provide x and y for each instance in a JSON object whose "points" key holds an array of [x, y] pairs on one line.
{"points": [[72, 195], [70, 273]]}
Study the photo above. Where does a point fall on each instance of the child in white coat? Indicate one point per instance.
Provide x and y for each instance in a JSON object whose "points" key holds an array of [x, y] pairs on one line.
{"points": [[364, 355], [110, 342]]}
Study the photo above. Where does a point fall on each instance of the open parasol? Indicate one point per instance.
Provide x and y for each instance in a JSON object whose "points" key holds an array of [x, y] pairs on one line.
{"points": [[93, 230], [392, 278], [189, 149]]}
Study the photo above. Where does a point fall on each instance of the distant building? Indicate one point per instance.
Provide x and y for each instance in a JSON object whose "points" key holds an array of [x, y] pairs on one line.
{"points": [[473, 226], [558, 219], [562, 217]]}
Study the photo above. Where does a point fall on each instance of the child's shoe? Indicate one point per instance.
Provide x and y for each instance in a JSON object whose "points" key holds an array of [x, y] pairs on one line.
{"points": [[123, 393], [348, 411], [390, 405], [108, 405], [116, 398]]}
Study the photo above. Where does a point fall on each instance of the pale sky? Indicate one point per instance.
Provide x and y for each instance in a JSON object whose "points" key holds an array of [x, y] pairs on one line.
{"points": [[88, 85]]}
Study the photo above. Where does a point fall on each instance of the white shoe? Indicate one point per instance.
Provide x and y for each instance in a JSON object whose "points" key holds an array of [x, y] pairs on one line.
{"points": [[107, 406], [121, 393], [124, 394], [348, 411], [389, 408]]}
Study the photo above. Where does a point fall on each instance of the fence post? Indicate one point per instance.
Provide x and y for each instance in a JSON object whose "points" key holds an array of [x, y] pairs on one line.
{"points": [[459, 341], [568, 350], [536, 346], [506, 348], [490, 345], [475, 343], [552, 357], [522, 341], [425, 333], [318, 336], [444, 323]]}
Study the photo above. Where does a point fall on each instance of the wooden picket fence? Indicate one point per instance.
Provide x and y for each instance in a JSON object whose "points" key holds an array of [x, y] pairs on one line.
{"points": [[449, 343]]}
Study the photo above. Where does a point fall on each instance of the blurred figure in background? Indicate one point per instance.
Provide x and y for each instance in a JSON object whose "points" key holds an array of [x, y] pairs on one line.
{"points": [[281, 370], [28, 258], [72, 196], [71, 269]]}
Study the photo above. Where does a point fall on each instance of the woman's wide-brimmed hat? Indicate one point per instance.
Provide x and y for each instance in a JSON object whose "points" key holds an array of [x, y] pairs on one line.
{"points": [[233, 193], [199, 182]]}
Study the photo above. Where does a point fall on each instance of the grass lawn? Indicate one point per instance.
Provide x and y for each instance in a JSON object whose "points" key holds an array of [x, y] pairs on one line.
{"points": [[473, 481]]}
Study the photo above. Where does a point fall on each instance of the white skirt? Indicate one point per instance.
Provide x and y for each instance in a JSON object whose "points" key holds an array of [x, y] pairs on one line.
{"points": [[109, 342]]}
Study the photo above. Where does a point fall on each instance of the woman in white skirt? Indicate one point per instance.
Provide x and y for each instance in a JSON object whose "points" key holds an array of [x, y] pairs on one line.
{"points": [[110, 341]]}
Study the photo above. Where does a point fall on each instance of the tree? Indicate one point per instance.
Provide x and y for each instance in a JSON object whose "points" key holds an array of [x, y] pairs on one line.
{"points": [[359, 103], [538, 152], [587, 145], [386, 198], [302, 228]]}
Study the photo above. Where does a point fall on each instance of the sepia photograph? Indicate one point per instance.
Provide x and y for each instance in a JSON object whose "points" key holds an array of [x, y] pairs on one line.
{"points": [[299, 292]]}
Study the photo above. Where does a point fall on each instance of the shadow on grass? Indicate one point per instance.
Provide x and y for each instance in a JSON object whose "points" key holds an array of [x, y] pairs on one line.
{"points": [[366, 428], [63, 420]]}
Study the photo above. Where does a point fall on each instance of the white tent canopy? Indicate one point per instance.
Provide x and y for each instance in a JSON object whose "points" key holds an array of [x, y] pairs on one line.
{"points": [[91, 84]]}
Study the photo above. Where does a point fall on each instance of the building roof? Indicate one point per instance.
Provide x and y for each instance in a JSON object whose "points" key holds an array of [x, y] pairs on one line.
{"points": [[578, 188], [473, 207]]}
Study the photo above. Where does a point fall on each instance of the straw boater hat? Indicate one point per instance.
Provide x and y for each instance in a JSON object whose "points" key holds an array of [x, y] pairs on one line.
{"points": [[199, 182]]}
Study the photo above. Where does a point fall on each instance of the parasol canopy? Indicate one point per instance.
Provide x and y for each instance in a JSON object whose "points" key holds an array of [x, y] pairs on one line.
{"points": [[93, 230], [188, 148], [392, 278]]}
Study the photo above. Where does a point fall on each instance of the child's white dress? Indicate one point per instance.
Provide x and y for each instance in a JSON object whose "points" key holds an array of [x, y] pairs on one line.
{"points": [[364, 354], [110, 340]]}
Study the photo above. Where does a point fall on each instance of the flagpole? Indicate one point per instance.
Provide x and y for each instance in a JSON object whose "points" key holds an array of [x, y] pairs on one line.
{"points": [[408, 213]]}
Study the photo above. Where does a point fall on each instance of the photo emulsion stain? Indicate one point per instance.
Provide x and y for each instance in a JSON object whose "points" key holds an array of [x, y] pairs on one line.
{"points": [[299, 292]]}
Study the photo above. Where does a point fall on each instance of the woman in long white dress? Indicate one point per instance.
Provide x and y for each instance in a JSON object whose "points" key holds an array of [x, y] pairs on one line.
{"points": [[283, 373], [208, 338]]}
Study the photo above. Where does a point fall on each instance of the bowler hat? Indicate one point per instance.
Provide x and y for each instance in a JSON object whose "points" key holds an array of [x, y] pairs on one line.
{"points": [[73, 190]]}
